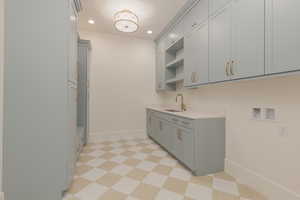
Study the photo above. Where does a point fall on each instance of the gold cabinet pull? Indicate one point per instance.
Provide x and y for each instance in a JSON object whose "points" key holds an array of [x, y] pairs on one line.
{"points": [[231, 68]]}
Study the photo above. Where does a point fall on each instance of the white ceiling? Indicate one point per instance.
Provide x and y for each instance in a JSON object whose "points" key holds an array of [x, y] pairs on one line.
{"points": [[153, 15]]}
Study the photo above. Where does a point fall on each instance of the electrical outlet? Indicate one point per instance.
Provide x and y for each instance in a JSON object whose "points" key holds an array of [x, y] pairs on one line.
{"points": [[282, 131]]}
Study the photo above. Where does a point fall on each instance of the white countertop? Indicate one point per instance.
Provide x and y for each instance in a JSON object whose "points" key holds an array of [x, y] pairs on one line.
{"points": [[190, 114]]}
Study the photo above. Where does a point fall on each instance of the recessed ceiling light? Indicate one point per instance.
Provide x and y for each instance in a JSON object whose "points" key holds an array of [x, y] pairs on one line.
{"points": [[91, 21], [149, 32]]}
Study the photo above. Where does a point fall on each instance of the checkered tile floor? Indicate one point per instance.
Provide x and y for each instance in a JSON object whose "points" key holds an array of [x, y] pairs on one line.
{"points": [[138, 169]]}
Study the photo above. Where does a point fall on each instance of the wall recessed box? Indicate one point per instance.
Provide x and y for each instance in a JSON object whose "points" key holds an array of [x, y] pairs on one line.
{"points": [[270, 114], [257, 113]]}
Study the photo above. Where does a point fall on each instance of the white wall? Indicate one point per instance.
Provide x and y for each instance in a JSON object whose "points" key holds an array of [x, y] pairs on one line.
{"points": [[256, 152], [1, 82], [122, 82]]}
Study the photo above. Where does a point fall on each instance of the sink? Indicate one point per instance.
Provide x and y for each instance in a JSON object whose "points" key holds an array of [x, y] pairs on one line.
{"points": [[172, 110]]}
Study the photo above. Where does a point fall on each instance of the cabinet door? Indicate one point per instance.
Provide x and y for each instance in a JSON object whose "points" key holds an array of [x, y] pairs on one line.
{"points": [[283, 30], [188, 149], [220, 45], [178, 150], [248, 33], [154, 133], [197, 15], [216, 5], [160, 65], [175, 34], [196, 56]]}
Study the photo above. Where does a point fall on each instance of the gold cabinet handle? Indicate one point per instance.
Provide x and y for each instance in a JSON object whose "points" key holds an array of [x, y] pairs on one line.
{"points": [[231, 68], [226, 68]]}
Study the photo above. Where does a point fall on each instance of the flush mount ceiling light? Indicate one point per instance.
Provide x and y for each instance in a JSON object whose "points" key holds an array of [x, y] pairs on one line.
{"points": [[126, 21]]}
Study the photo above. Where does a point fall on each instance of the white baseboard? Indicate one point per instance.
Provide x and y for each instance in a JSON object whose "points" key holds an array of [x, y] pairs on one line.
{"points": [[262, 184], [95, 136]]}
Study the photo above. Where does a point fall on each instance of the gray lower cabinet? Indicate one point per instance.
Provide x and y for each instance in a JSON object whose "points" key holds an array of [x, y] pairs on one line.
{"points": [[199, 144]]}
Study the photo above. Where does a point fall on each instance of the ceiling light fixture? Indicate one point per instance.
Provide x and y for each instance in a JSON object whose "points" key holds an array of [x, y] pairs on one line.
{"points": [[91, 21], [126, 21], [149, 32]]}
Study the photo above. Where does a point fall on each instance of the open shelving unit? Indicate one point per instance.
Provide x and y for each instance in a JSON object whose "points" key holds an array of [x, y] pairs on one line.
{"points": [[174, 63]]}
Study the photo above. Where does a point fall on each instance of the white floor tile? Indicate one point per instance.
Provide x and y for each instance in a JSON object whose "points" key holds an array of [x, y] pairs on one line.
{"points": [[94, 174], [91, 192], [126, 185], [198, 192], [181, 174], [155, 179], [225, 186], [121, 170], [146, 165]]}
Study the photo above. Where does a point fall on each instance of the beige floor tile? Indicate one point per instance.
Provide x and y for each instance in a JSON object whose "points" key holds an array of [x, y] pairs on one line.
{"points": [[85, 159], [224, 176], [128, 153], [113, 195], [138, 174], [87, 150], [145, 192], [175, 185], [77, 185], [108, 148], [154, 159], [109, 165], [107, 156], [106, 143], [162, 169], [132, 162], [146, 150], [82, 169], [217, 195], [248, 193], [202, 180], [109, 179]]}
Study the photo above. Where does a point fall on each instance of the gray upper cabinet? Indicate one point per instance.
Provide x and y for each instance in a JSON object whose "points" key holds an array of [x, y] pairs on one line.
{"points": [[220, 45], [196, 56], [175, 34], [248, 58], [283, 31], [216, 5], [236, 52], [196, 16]]}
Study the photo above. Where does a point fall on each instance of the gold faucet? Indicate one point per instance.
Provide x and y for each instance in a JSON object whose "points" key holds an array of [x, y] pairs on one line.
{"points": [[183, 106]]}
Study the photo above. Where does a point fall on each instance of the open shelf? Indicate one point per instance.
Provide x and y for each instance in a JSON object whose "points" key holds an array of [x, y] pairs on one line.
{"points": [[176, 46], [175, 80], [176, 63]]}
